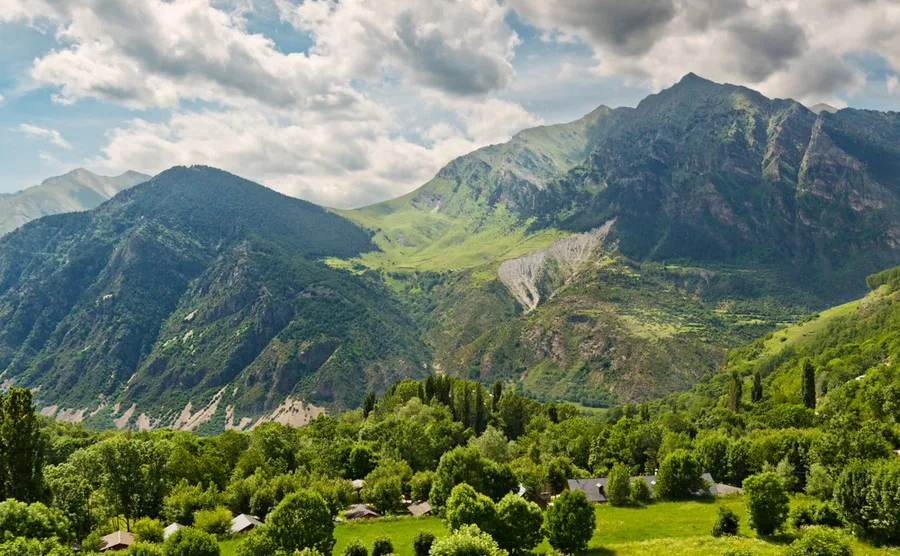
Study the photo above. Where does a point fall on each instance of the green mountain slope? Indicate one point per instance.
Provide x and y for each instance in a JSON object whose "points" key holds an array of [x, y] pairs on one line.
{"points": [[192, 294], [723, 213], [76, 191]]}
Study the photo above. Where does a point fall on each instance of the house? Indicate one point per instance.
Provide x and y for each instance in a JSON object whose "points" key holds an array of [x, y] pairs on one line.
{"points": [[420, 509], [171, 528], [595, 489], [359, 511], [244, 523], [120, 540]]}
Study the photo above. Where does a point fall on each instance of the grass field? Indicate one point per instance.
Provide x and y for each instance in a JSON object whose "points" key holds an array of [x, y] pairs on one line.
{"points": [[666, 528]]}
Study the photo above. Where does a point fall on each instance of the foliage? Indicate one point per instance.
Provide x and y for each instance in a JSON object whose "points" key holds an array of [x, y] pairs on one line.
{"points": [[467, 541], [144, 548], [679, 477], [22, 448], [35, 521], [466, 465], [382, 546], [617, 485], [767, 502], [727, 522], [191, 542], [468, 507], [257, 542], [639, 491], [422, 543], [519, 524], [215, 522], [867, 496], [148, 530], [420, 485], [816, 513], [819, 541], [185, 500], [570, 522], [301, 520], [819, 482], [356, 548]]}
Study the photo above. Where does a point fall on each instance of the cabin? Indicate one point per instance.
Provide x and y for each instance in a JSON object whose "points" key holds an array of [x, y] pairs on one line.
{"points": [[361, 511], [244, 523], [120, 540], [419, 509], [595, 489], [170, 529]]}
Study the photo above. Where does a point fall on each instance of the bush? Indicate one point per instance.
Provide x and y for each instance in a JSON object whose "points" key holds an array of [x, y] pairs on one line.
{"points": [[185, 500], [92, 542], [356, 548], [866, 496], [422, 543], [726, 523], [147, 530], [617, 485], [20, 546], [33, 521], [214, 522], [519, 524], [144, 549], [191, 542], [257, 543], [302, 520], [767, 502], [570, 522], [819, 482], [817, 513], [468, 507], [679, 476], [819, 541], [382, 546], [469, 540], [639, 491]]}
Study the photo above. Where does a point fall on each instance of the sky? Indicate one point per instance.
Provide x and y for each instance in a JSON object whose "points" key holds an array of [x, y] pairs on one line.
{"points": [[349, 102]]}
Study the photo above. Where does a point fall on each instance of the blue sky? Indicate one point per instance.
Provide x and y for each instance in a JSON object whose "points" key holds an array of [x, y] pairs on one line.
{"points": [[353, 101]]}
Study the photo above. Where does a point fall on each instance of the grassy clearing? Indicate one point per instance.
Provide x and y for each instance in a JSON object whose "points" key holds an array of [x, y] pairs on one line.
{"points": [[796, 335], [673, 529]]}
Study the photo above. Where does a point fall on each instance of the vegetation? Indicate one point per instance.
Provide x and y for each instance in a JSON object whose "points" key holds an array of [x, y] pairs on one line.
{"points": [[570, 522], [767, 502], [727, 522]]}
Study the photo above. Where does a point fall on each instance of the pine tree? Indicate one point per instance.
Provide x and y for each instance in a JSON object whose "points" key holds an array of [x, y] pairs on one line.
{"points": [[480, 410], [808, 386], [735, 391], [369, 404], [22, 448], [756, 392], [645, 413], [496, 392]]}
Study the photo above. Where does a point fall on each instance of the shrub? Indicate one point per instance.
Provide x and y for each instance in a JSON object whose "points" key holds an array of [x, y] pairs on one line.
{"points": [[191, 542], [186, 499], [519, 524], [214, 522], [382, 546], [767, 502], [356, 548], [469, 540], [423, 542], [144, 549], [639, 491], [726, 523], [819, 482], [570, 522], [92, 542], [818, 541], [468, 507], [817, 513], [617, 485], [866, 497], [679, 476], [147, 530], [302, 520], [257, 543]]}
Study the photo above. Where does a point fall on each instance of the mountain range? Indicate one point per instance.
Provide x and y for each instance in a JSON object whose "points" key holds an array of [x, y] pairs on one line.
{"points": [[75, 191], [614, 258]]}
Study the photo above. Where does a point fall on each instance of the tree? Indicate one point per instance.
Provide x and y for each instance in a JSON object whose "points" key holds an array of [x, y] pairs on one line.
{"points": [[148, 529], [570, 522], [786, 474], [617, 485], [496, 393], [712, 454], [420, 485], [257, 543], [215, 522], [467, 541], [559, 470], [465, 465], [756, 391], [144, 548], [519, 524], [22, 448], [466, 506], [384, 493], [808, 384], [819, 482], [302, 520], [821, 541], [133, 475], [369, 404], [726, 523], [191, 542], [735, 391], [679, 477], [767, 502], [185, 500], [867, 496], [35, 521], [492, 444], [639, 491], [362, 460], [382, 546], [422, 543]]}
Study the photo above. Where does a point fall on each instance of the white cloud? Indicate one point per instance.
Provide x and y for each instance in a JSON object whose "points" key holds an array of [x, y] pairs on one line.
{"points": [[47, 158], [45, 133], [893, 84], [784, 48]]}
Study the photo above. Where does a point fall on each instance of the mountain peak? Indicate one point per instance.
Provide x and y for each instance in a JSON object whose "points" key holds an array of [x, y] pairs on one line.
{"points": [[77, 173]]}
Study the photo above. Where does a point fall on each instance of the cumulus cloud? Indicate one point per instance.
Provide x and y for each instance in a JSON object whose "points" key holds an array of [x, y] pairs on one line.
{"points": [[781, 47], [45, 133], [893, 84]]}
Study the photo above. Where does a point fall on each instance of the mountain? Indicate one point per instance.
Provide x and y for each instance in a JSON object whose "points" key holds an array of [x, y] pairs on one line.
{"points": [[197, 299], [701, 218], [76, 191]]}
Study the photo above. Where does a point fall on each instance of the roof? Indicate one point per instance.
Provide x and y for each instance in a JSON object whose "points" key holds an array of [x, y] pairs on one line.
{"points": [[117, 540], [358, 483], [171, 528], [420, 508], [244, 522], [721, 489], [358, 511], [595, 488]]}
